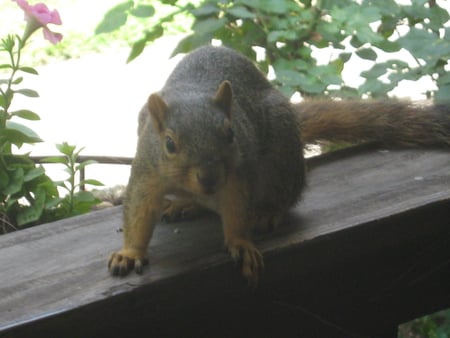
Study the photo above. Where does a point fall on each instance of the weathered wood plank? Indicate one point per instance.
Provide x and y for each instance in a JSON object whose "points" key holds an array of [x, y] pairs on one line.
{"points": [[356, 206]]}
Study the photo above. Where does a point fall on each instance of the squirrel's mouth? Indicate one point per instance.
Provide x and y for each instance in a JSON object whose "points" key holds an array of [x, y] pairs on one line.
{"points": [[208, 183], [208, 177]]}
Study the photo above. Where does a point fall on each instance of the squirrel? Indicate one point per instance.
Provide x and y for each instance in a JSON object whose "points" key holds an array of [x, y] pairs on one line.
{"points": [[219, 136]]}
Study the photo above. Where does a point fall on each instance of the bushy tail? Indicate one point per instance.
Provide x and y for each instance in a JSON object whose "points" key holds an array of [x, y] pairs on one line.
{"points": [[391, 123]]}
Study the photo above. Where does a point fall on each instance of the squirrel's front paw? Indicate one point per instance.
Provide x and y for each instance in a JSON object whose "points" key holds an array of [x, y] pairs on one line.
{"points": [[249, 257], [123, 261]]}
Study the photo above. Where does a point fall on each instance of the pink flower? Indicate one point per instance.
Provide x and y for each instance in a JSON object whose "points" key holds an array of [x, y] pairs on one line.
{"points": [[40, 16]]}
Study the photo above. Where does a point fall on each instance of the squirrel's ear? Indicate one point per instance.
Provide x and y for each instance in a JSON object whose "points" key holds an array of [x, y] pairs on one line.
{"points": [[158, 111], [223, 97]]}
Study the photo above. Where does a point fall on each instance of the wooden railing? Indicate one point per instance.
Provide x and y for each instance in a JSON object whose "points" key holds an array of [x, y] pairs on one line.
{"points": [[367, 248], [100, 159]]}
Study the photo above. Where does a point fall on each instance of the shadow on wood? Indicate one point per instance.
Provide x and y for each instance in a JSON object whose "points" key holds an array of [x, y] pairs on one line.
{"points": [[366, 249]]}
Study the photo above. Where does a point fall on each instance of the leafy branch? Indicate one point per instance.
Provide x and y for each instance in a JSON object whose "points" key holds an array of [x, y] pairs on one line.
{"points": [[76, 201], [286, 34]]}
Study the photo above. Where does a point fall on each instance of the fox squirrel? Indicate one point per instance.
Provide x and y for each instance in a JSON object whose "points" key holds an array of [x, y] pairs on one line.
{"points": [[220, 136]]}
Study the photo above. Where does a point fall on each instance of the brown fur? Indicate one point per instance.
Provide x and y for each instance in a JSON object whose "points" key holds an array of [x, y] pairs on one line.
{"points": [[215, 136], [391, 123], [219, 136]]}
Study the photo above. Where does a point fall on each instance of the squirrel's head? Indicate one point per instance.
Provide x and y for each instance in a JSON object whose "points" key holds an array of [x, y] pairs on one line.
{"points": [[197, 140]]}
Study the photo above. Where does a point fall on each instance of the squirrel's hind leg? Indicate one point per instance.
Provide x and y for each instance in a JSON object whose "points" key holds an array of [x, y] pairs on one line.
{"points": [[181, 209], [269, 222]]}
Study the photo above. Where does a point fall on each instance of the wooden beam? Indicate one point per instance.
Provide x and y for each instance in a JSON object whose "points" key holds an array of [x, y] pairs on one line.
{"points": [[364, 250]]}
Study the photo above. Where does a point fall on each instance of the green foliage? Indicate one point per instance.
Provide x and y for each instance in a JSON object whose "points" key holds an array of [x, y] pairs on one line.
{"points": [[119, 15], [289, 31], [27, 194], [436, 325], [76, 200], [25, 190]]}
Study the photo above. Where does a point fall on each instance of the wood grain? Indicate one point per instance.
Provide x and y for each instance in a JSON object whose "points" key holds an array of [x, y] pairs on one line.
{"points": [[360, 207]]}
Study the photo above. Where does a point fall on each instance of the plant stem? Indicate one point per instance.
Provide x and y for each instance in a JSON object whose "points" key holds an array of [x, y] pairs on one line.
{"points": [[8, 93], [72, 183]]}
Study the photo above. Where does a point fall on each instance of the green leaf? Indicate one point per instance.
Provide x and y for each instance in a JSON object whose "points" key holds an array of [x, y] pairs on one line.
{"points": [[27, 92], [62, 184], [438, 17], [270, 6], [443, 93], [15, 183], [208, 26], [143, 11], [29, 70], [422, 44], [329, 32], [92, 182], [18, 81], [388, 46], [345, 56], [388, 26], [444, 79], [355, 42], [367, 54], [4, 180], [338, 65], [241, 12], [12, 203], [139, 45], [84, 196], [275, 36], [26, 114], [191, 42], [29, 214], [206, 9], [136, 49], [375, 87], [33, 212], [49, 186], [55, 159], [155, 33], [115, 18], [69, 171], [6, 98], [9, 42], [54, 202], [19, 134], [376, 71], [33, 173], [4, 66], [66, 148]]}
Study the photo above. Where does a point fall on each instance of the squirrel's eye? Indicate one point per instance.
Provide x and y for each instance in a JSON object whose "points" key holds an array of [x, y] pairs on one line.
{"points": [[170, 145]]}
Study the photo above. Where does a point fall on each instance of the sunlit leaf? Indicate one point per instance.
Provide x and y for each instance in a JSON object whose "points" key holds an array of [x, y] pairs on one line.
{"points": [[367, 54], [26, 114], [143, 11], [29, 70], [65, 148], [19, 134], [92, 182], [27, 92], [114, 18]]}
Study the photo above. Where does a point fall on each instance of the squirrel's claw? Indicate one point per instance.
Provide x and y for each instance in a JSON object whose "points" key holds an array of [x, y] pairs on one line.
{"points": [[122, 262], [250, 259]]}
